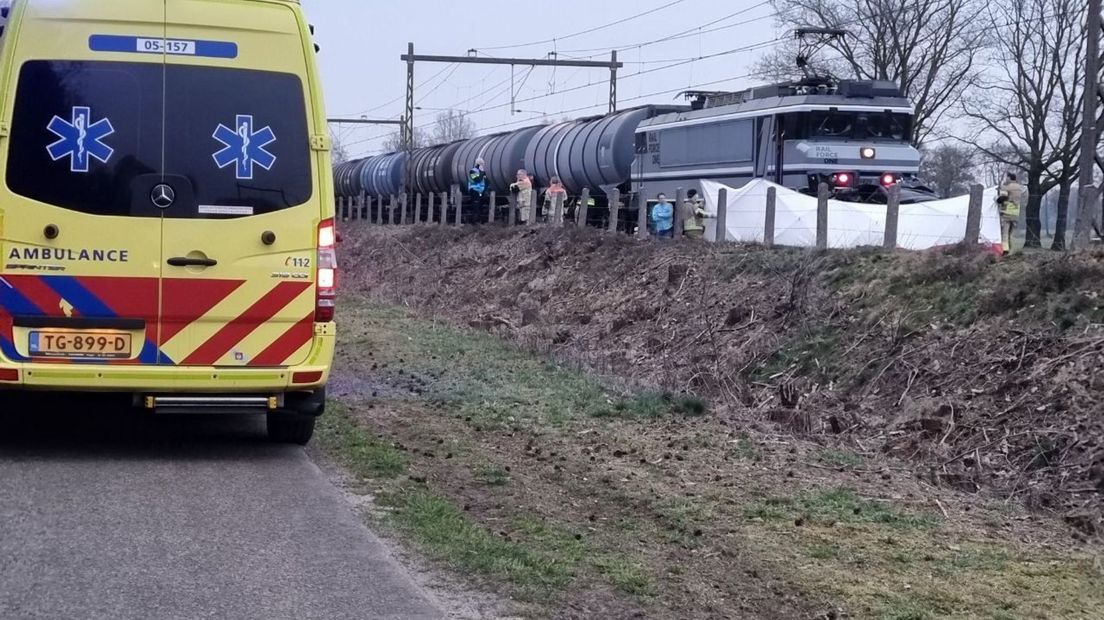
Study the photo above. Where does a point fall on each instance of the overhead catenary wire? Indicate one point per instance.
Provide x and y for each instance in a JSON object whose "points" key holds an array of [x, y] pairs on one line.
{"points": [[696, 31], [691, 32], [400, 97], [637, 98], [454, 66], [587, 31], [678, 63]]}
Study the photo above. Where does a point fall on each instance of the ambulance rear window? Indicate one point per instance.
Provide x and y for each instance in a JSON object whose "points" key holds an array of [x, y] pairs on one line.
{"points": [[93, 136]]}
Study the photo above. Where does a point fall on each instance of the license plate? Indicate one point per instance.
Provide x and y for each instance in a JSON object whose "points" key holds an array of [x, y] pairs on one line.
{"points": [[89, 344]]}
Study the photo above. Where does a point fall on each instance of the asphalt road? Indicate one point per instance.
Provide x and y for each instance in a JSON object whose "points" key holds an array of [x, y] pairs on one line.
{"points": [[109, 514]]}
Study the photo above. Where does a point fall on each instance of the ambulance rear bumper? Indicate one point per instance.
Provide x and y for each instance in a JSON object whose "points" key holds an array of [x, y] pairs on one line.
{"points": [[314, 374]]}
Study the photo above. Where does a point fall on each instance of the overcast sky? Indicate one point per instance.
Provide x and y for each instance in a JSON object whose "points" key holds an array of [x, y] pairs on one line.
{"points": [[362, 39]]}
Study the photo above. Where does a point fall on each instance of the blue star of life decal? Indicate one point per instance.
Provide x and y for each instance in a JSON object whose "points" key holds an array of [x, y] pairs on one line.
{"points": [[244, 147], [81, 140]]}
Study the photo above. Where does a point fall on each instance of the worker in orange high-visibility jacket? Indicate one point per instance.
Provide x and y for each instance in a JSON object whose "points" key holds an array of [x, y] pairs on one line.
{"points": [[522, 190]]}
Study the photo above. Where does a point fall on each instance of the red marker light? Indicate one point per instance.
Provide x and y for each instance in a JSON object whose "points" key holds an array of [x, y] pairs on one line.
{"points": [[326, 274], [843, 179], [889, 179]]}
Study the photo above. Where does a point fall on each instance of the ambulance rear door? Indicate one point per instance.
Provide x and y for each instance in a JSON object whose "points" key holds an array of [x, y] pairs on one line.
{"points": [[80, 140], [242, 224]]}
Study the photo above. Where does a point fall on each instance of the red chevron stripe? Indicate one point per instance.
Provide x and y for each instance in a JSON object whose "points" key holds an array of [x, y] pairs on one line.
{"points": [[285, 346], [187, 301], [237, 330], [133, 298], [36, 292]]}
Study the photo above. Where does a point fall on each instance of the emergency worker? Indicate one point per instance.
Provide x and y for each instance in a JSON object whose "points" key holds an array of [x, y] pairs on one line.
{"points": [[1009, 199], [578, 215], [522, 189], [663, 218], [477, 186], [555, 192], [692, 212]]}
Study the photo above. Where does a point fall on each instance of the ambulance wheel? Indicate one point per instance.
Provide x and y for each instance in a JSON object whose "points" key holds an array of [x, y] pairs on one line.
{"points": [[288, 427]]}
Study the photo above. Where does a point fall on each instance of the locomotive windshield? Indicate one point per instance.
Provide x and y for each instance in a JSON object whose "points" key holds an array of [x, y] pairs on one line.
{"points": [[846, 125]]}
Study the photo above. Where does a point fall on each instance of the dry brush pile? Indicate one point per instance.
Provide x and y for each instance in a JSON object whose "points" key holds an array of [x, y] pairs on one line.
{"points": [[985, 374]]}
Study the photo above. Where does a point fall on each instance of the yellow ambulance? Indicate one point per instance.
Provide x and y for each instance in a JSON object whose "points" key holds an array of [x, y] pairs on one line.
{"points": [[166, 215]]}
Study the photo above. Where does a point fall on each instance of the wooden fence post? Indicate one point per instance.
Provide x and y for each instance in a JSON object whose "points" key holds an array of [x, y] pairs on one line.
{"points": [[614, 198], [404, 199], [973, 216], [430, 197], [893, 217], [379, 209], [642, 216], [823, 192], [444, 209], [771, 219], [511, 217], [363, 202], [582, 214], [534, 209], [454, 191], [459, 199], [491, 207], [558, 210], [680, 197], [418, 208], [722, 216]]}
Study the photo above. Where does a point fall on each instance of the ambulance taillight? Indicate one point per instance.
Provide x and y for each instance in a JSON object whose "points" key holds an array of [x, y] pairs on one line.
{"points": [[326, 281]]}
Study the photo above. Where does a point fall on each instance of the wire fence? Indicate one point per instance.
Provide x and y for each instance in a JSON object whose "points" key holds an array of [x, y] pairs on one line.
{"points": [[755, 216]]}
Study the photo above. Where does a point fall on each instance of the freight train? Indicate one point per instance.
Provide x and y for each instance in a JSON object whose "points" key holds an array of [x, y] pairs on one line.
{"points": [[856, 136]]}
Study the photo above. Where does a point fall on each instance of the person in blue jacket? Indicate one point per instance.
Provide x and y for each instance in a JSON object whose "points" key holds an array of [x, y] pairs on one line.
{"points": [[663, 218], [477, 186]]}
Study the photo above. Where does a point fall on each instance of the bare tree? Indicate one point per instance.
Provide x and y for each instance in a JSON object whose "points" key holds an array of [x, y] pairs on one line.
{"points": [[949, 169], [338, 151], [1025, 112], [394, 141], [992, 164], [451, 126], [929, 47]]}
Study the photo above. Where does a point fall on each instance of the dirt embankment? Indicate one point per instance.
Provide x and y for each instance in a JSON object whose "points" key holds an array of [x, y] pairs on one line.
{"points": [[984, 374]]}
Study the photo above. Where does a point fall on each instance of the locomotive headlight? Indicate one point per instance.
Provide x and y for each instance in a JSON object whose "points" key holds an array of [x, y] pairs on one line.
{"points": [[868, 152]]}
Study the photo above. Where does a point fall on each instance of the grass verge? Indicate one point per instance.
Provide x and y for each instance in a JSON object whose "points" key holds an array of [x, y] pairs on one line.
{"points": [[539, 561], [565, 485]]}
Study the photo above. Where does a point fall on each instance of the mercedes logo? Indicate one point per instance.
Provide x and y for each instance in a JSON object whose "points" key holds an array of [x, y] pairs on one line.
{"points": [[163, 196]]}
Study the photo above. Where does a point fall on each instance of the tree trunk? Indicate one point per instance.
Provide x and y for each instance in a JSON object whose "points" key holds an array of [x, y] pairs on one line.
{"points": [[1034, 224], [1061, 224]]}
